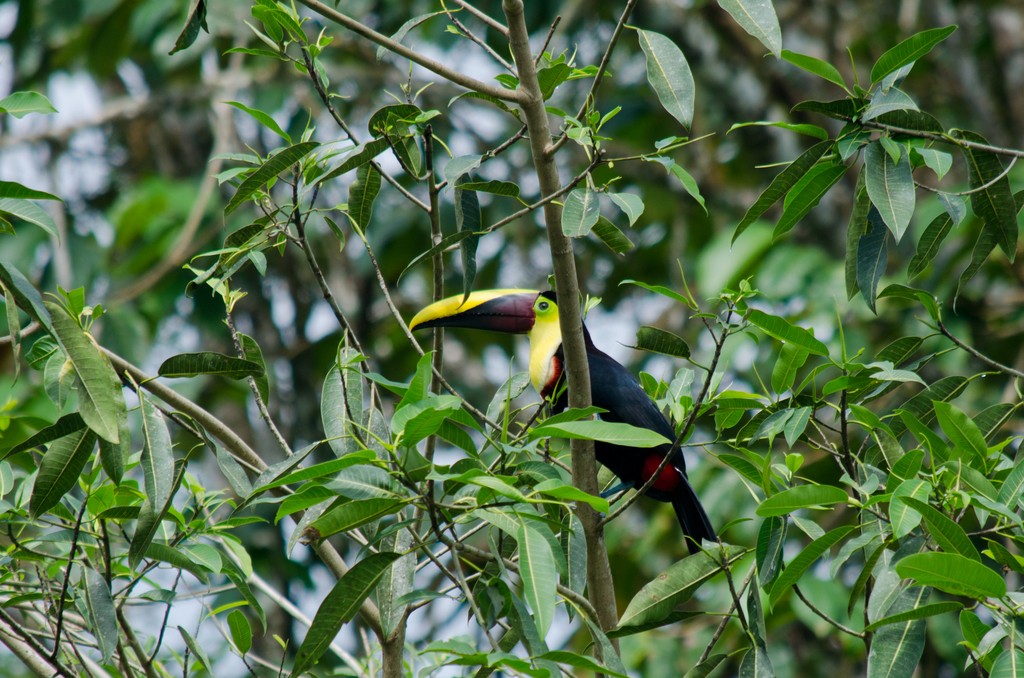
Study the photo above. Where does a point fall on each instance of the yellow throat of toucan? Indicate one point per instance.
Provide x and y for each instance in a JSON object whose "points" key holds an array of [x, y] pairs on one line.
{"points": [[512, 311], [545, 340]]}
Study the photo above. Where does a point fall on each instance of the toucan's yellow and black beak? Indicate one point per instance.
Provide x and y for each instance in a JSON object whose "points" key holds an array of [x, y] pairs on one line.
{"points": [[507, 310]]}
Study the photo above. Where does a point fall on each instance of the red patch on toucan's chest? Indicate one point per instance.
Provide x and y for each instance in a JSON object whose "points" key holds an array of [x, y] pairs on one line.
{"points": [[667, 480], [554, 375]]}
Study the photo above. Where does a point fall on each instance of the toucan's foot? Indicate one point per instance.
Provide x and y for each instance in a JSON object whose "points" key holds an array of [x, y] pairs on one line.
{"points": [[612, 491]]}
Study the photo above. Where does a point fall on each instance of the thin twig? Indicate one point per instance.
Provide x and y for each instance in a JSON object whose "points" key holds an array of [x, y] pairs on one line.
{"points": [[451, 74], [1006, 369], [936, 136], [830, 620], [491, 22]]}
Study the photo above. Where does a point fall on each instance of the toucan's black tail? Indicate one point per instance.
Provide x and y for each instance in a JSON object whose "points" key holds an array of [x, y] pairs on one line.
{"points": [[692, 517]]}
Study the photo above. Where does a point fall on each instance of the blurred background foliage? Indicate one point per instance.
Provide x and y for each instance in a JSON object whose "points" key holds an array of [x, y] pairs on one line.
{"points": [[140, 134]]}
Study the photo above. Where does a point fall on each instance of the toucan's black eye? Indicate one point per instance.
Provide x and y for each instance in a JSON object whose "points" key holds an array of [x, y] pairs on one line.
{"points": [[543, 306]]}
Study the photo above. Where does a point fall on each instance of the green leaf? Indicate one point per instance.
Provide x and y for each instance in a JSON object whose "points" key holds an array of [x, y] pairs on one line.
{"points": [[952, 573], [209, 362], [580, 212], [757, 17], [908, 51], [101, 401], [467, 218], [890, 186], [669, 75], [607, 431], [801, 496], [916, 613], [928, 245], [781, 184], [815, 131], [673, 587], [274, 165], [340, 606], [872, 256], [1009, 664], [20, 104], [59, 470], [66, 425], [822, 69], [188, 35], [495, 187], [10, 189], [896, 648], [460, 166], [961, 431], [806, 194], [661, 341], [102, 615], [796, 567], [784, 331], [30, 212], [350, 515], [791, 359], [886, 101], [949, 535], [558, 489], [991, 196], [157, 455], [241, 631], [361, 194], [357, 157], [537, 570], [612, 236], [904, 518], [263, 118], [632, 205]]}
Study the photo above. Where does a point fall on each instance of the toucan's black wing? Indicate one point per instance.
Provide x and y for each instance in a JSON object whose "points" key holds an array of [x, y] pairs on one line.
{"points": [[615, 389]]}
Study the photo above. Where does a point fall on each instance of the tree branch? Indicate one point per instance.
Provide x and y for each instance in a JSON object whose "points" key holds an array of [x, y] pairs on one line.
{"points": [[584, 466], [398, 48]]}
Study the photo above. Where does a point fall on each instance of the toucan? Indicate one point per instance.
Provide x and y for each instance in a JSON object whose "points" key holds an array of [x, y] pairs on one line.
{"points": [[613, 389]]}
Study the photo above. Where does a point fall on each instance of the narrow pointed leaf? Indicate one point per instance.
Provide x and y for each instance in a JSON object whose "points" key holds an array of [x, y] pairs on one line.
{"points": [[612, 236], [537, 570], [352, 514], [801, 496], [784, 331], [362, 193], [806, 194], [595, 429], [274, 165], [950, 536], [209, 362], [102, 616], [952, 573], [928, 246], [340, 606], [822, 69], [961, 431], [872, 256], [157, 456], [800, 564], [101, 401], [59, 470], [991, 196], [909, 51], [674, 586], [781, 184], [661, 341]]}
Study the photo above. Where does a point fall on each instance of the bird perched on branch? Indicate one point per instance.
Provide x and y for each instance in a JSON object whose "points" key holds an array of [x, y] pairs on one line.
{"points": [[613, 389]]}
